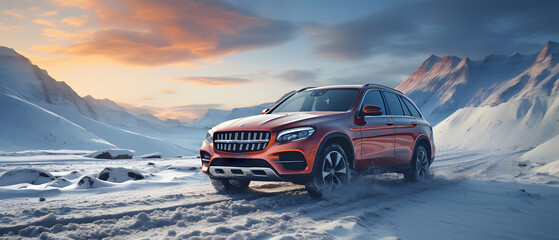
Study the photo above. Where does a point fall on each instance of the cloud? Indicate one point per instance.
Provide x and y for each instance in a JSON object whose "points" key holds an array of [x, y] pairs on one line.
{"points": [[154, 33], [13, 12], [465, 28], [45, 22], [211, 81], [8, 27], [386, 72], [75, 21], [58, 35], [185, 113], [166, 90], [299, 76]]}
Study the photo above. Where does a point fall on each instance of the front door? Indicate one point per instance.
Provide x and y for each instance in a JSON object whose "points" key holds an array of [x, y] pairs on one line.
{"points": [[378, 133]]}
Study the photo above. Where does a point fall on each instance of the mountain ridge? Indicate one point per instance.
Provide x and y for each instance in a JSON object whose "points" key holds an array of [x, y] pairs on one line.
{"points": [[440, 86], [26, 85]]}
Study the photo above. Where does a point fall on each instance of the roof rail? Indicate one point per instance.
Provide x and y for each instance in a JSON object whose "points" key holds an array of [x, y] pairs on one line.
{"points": [[380, 86], [305, 88]]}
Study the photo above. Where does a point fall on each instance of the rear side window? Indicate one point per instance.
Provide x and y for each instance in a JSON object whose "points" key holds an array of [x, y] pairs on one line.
{"points": [[374, 98], [413, 110], [406, 111], [393, 104]]}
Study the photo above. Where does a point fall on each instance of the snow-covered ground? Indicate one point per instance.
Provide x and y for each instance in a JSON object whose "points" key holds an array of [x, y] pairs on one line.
{"points": [[473, 195]]}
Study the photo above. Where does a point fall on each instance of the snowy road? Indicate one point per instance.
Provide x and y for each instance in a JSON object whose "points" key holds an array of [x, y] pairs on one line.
{"points": [[461, 202]]}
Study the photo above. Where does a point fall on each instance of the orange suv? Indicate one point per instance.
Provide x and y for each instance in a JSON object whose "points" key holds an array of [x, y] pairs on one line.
{"points": [[318, 137]]}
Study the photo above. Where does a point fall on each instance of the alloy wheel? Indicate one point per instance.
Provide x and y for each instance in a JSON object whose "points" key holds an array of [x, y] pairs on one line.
{"points": [[334, 169], [422, 163]]}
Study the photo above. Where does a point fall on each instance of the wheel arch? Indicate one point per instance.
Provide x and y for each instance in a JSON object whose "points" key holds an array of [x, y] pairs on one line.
{"points": [[343, 140], [424, 141]]}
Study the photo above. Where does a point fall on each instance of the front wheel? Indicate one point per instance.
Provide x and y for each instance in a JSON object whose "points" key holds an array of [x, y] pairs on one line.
{"points": [[224, 185], [332, 171], [419, 165]]}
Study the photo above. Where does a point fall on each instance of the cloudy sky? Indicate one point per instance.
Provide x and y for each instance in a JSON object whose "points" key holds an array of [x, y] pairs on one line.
{"points": [[176, 58]]}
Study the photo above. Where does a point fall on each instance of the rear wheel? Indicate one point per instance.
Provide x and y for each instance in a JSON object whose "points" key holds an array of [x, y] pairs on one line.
{"points": [[419, 165], [225, 185], [332, 172]]}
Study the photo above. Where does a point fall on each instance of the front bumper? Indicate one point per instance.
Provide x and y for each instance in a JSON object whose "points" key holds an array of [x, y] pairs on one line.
{"points": [[264, 165]]}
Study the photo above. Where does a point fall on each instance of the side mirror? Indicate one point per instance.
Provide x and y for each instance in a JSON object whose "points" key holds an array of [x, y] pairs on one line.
{"points": [[265, 111], [372, 110]]}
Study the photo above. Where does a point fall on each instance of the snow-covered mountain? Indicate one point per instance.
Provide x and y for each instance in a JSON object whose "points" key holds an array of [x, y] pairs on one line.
{"points": [[440, 86], [44, 113], [214, 117], [519, 123]]}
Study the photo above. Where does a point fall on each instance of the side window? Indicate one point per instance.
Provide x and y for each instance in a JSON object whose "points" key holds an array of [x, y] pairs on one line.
{"points": [[374, 98], [413, 110], [393, 103], [406, 110]]}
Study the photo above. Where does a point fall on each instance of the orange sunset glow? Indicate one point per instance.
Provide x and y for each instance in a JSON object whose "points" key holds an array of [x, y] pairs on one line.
{"points": [[157, 55]]}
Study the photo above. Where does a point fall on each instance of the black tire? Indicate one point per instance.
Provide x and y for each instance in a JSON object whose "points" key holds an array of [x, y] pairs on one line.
{"points": [[224, 185], [329, 173], [419, 165]]}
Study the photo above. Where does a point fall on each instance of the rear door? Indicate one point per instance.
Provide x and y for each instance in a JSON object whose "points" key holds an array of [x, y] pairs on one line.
{"points": [[378, 134], [405, 127]]}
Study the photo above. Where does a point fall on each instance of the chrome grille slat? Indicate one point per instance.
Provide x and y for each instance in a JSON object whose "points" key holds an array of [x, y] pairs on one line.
{"points": [[241, 141]]}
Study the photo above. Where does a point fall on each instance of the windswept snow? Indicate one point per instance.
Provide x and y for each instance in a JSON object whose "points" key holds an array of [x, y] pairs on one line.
{"points": [[450, 206], [517, 124]]}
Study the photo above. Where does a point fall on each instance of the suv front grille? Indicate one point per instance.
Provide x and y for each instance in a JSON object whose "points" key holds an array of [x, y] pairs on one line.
{"points": [[245, 141]]}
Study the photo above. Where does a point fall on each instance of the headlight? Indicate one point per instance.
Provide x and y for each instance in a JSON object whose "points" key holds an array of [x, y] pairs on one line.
{"points": [[295, 134], [209, 136]]}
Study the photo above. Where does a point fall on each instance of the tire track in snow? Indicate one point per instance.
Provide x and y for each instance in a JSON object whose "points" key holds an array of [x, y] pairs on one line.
{"points": [[51, 220], [284, 207]]}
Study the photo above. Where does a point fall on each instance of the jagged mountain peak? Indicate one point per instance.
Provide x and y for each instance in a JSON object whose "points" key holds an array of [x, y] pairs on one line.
{"points": [[465, 62], [428, 64], [453, 82], [550, 49], [7, 51], [10, 55]]}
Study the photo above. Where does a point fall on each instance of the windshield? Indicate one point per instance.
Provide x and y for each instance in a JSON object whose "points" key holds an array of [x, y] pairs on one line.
{"points": [[319, 100]]}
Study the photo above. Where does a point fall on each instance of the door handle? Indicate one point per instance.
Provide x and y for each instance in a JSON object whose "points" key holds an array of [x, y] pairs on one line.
{"points": [[414, 124], [389, 123]]}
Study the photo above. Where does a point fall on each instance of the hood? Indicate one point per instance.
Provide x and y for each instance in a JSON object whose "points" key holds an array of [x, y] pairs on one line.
{"points": [[279, 121]]}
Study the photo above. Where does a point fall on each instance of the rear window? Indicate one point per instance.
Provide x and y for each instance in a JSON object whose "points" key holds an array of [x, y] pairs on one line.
{"points": [[393, 104], [319, 100], [411, 107]]}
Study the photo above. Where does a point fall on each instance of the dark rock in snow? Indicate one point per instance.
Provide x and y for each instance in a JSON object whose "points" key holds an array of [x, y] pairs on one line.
{"points": [[27, 175], [112, 154], [42, 199], [105, 155], [88, 182], [151, 164], [119, 175]]}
